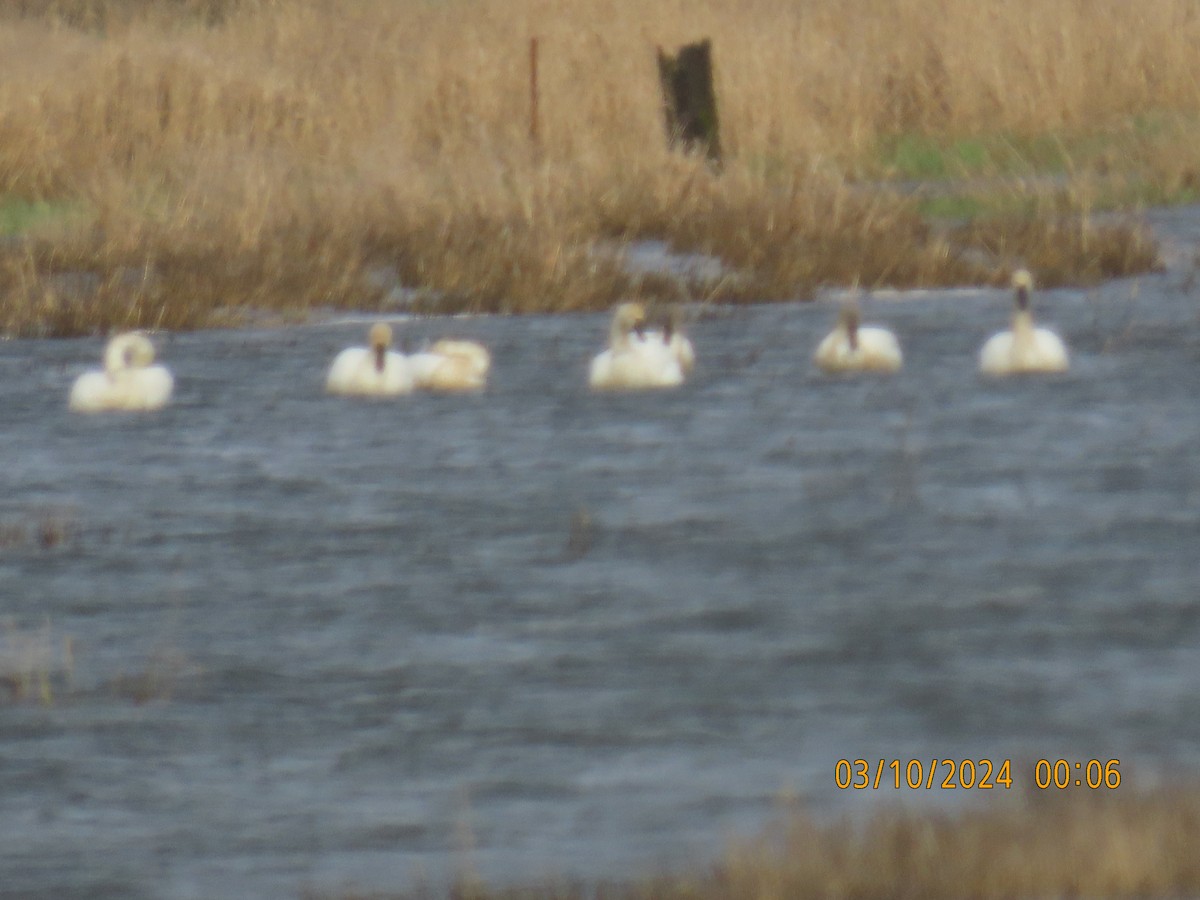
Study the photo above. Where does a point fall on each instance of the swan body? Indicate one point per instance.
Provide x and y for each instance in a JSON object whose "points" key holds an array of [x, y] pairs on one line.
{"points": [[128, 382], [635, 359], [851, 347], [1024, 348], [374, 371], [671, 335], [684, 352], [677, 345], [452, 365]]}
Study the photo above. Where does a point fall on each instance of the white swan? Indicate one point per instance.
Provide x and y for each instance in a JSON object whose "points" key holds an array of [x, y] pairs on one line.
{"points": [[128, 382], [852, 347], [374, 371], [634, 359], [452, 365], [1024, 348]]}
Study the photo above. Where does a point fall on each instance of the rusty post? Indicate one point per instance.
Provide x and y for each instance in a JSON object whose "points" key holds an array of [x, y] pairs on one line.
{"points": [[534, 125]]}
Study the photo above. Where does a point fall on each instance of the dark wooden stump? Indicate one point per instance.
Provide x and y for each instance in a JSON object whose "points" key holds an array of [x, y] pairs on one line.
{"points": [[689, 102]]}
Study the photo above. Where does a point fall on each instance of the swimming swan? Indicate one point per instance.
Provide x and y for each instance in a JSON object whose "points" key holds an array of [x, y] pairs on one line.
{"points": [[1024, 348], [634, 359], [851, 347], [128, 382], [452, 365], [374, 371]]}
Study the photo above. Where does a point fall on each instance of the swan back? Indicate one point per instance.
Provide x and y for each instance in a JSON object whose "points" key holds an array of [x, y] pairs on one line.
{"points": [[476, 354], [852, 347], [373, 371], [452, 365], [128, 381], [1024, 348]]}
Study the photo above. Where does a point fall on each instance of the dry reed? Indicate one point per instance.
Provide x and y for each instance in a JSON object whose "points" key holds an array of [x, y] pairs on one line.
{"points": [[34, 663], [1126, 843], [1078, 844], [210, 156]]}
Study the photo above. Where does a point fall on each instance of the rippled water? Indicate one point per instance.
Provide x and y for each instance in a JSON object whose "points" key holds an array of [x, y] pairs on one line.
{"points": [[322, 644]]}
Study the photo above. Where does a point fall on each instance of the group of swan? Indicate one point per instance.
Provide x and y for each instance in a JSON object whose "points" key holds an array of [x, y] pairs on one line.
{"points": [[379, 371], [637, 357], [1023, 349], [130, 382]]}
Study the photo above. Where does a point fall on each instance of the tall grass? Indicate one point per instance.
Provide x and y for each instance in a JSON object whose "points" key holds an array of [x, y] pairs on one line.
{"points": [[1132, 844], [276, 154], [1127, 843]]}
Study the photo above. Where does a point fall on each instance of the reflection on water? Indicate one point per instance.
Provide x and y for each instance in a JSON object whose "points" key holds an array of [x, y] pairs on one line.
{"points": [[320, 643]]}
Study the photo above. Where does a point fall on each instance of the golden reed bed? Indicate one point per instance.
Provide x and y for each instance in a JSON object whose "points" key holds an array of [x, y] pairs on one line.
{"points": [[1138, 843], [198, 157]]}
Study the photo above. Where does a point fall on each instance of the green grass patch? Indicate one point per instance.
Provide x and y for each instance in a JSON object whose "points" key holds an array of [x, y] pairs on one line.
{"points": [[921, 157], [954, 206], [18, 216], [1148, 158], [1138, 162]]}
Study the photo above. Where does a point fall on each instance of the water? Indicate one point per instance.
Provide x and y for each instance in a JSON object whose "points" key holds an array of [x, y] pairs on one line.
{"points": [[322, 645]]}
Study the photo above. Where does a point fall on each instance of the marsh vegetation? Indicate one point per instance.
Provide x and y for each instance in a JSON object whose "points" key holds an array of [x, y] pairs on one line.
{"points": [[177, 163], [1053, 845]]}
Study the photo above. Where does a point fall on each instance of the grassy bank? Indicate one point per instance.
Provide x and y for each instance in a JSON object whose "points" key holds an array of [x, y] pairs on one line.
{"points": [[173, 163], [1125, 843]]}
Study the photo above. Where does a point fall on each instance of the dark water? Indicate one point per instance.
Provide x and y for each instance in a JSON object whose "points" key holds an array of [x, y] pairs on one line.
{"points": [[322, 644]]}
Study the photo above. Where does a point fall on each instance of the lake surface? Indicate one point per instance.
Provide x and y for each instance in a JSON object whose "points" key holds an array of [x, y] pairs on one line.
{"points": [[319, 644]]}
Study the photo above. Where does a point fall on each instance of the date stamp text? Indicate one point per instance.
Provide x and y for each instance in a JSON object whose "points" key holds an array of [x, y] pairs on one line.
{"points": [[972, 774]]}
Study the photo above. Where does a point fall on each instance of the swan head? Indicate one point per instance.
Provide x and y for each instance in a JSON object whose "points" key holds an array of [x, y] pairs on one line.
{"points": [[131, 350], [848, 321], [1022, 283], [629, 318], [380, 338]]}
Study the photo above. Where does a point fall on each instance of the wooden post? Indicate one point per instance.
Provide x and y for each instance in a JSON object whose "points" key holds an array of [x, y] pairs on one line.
{"points": [[689, 102], [534, 126]]}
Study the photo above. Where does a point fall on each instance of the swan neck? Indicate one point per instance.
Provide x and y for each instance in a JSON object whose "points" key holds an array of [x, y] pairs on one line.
{"points": [[1023, 323], [126, 352], [848, 322], [380, 357], [621, 334]]}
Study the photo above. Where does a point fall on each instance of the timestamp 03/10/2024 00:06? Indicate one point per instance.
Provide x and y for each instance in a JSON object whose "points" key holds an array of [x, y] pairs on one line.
{"points": [[973, 774]]}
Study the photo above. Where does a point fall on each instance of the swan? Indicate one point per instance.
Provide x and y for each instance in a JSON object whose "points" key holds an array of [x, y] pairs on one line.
{"points": [[634, 359], [128, 382], [852, 347], [452, 365], [374, 371], [1024, 348]]}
